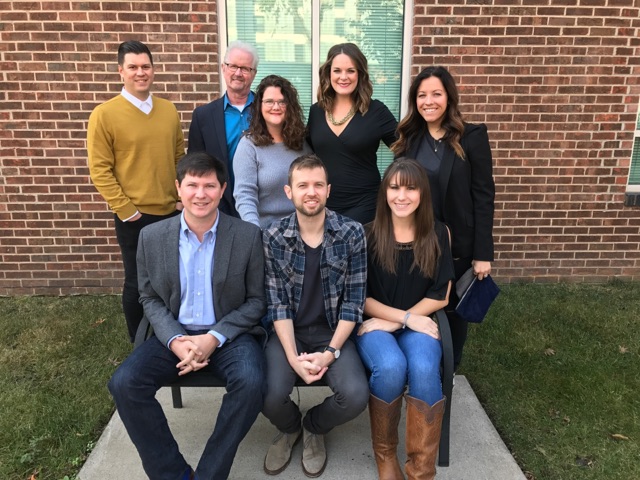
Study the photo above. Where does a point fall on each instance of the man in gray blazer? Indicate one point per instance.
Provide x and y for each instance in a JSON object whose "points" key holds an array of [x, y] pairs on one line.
{"points": [[201, 282]]}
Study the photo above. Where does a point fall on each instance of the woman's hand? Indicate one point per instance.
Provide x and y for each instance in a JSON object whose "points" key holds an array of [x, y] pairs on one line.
{"points": [[481, 268], [423, 324], [378, 324]]}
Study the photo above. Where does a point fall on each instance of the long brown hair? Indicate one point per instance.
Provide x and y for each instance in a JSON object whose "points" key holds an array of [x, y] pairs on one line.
{"points": [[380, 236], [293, 129], [362, 94], [413, 125]]}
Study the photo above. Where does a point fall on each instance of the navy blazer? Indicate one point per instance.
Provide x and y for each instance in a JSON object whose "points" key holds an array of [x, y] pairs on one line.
{"points": [[239, 299], [467, 193], [207, 134]]}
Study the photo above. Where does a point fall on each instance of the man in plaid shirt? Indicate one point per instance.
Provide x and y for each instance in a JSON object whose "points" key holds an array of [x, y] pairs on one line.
{"points": [[316, 273]]}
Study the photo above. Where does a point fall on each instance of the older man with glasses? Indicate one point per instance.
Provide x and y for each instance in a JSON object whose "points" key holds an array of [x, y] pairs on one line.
{"points": [[217, 127]]}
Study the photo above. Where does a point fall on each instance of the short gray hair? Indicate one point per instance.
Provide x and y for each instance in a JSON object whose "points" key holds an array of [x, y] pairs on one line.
{"points": [[245, 47]]}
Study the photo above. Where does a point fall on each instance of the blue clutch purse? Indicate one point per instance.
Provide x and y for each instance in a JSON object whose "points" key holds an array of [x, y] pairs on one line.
{"points": [[476, 298]]}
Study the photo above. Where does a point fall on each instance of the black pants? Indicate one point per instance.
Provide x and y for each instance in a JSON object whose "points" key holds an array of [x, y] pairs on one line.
{"points": [[127, 234], [459, 327]]}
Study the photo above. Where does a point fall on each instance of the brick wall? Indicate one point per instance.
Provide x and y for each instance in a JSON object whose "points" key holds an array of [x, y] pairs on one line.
{"points": [[58, 63], [557, 87]]}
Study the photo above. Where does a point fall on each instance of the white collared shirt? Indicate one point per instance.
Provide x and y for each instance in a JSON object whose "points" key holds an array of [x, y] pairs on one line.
{"points": [[145, 106]]}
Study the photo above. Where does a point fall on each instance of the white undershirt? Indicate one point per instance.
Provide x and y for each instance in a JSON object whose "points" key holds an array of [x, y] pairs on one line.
{"points": [[145, 106]]}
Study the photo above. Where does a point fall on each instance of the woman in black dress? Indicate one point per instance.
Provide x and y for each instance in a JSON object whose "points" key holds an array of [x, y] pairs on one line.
{"points": [[409, 273], [345, 129], [457, 157]]}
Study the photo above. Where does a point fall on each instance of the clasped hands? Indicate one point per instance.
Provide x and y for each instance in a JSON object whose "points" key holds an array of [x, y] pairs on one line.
{"points": [[310, 367], [193, 351]]}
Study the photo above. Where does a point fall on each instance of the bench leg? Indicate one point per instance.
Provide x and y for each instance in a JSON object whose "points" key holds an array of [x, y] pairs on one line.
{"points": [[176, 396], [443, 451]]}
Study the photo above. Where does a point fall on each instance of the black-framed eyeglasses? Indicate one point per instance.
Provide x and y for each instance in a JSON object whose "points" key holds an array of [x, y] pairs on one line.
{"points": [[272, 103], [235, 68]]}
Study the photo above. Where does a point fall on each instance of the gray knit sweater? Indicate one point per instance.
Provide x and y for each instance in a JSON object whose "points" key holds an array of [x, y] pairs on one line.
{"points": [[260, 176]]}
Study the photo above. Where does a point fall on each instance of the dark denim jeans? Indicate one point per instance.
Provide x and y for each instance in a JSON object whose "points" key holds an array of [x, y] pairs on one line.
{"points": [[134, 385]]}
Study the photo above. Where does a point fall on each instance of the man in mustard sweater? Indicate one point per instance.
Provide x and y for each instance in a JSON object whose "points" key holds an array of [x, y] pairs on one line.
{"points": [[134, 142]]}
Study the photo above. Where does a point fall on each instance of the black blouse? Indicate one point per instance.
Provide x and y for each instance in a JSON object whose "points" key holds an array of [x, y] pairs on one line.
{"points": [[407, 287]]}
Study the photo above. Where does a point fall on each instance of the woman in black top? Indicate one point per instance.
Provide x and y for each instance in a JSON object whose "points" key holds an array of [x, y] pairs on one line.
{"points": [[457, 158], [345, 129], [408, 278]]}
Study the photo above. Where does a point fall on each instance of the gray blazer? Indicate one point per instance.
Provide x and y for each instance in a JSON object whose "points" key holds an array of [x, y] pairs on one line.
{"points": [[238, 277]]}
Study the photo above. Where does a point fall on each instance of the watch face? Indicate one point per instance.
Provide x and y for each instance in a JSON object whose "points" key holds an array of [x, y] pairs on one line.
{"points": [[336, 353]]}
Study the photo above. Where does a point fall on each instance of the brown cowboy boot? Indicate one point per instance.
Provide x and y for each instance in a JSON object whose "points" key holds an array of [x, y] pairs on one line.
{"points": [[423, 438], [385, 418]]}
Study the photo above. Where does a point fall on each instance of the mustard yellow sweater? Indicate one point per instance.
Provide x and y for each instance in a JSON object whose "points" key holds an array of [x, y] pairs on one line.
{"points": [[133, 156]]}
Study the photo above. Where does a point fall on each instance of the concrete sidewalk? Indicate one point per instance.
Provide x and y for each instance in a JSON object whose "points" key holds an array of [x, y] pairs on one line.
{"points": [[477, 452]]}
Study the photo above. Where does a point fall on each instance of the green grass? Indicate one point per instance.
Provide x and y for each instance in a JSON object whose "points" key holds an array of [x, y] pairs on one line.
{"points": [[56, 357], [557, 367]]}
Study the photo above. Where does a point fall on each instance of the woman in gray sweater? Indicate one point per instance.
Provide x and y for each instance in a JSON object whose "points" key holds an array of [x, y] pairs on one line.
{"points": [[275, 139]]}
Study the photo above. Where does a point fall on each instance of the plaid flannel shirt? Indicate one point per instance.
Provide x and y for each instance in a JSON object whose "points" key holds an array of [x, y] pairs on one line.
{"points": [[343, 269]]}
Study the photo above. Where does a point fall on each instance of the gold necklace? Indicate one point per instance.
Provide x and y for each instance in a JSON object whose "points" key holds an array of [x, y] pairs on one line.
{"points": [[337, 123]]}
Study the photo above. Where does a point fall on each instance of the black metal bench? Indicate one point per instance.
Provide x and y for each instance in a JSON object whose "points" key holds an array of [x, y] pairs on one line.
{"points": [[205, 378]]}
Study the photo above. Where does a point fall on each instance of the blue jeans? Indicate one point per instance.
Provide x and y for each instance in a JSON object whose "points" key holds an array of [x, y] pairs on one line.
{"points": [[134, 386], [401, 358]]}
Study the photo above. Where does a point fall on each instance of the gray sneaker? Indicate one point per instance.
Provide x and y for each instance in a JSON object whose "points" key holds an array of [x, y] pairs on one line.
{"points": [[279, 454], [314, 454]]}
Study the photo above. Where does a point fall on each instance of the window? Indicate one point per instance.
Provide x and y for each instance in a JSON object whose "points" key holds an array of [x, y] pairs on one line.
{"points": [[293, 37], [633, 185]]}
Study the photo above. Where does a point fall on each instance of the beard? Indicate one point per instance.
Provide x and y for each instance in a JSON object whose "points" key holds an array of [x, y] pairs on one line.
{"points": [[308, 212]]}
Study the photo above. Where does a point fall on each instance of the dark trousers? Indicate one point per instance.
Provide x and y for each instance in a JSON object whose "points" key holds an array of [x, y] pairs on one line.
{"points": [[459, 327], [127, 234], [346, 378], [135, 383]]}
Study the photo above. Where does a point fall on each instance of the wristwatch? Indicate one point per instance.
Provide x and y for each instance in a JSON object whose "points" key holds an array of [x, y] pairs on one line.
{"points": [[336, 353]]}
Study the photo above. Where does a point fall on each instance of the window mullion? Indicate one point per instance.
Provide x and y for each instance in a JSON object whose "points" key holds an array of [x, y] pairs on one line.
{"points": [[315, 48]]}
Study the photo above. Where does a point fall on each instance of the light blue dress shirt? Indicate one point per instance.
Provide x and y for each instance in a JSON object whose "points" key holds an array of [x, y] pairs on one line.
{"points": [[196, 280]]}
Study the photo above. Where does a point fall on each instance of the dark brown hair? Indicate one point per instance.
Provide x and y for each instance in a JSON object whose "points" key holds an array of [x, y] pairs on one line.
{"points": [[413, 125], [308, 161], [380, 236], [293, 129], [199, 164], [361, 95]]}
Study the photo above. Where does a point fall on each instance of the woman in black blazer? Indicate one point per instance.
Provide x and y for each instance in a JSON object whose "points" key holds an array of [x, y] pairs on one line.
{"points": [[457, 157]]}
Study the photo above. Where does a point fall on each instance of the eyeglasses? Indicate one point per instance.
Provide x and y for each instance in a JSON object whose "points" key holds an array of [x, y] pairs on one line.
{"points": [[272, 103], [236, 68]]}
